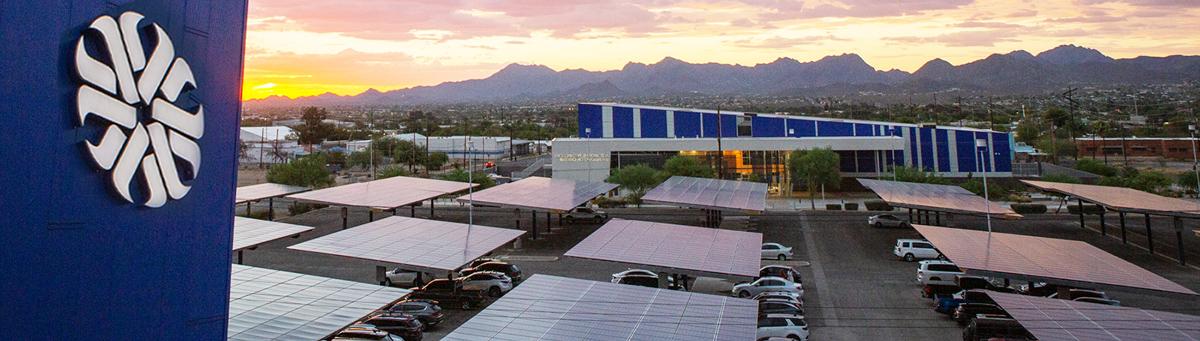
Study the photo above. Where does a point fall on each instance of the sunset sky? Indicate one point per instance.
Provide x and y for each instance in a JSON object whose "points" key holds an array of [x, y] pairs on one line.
{"points": [[299, 48]]}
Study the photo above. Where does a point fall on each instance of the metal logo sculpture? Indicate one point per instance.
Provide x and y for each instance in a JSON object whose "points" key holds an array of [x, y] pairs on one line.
{"points": [[135, 96]]}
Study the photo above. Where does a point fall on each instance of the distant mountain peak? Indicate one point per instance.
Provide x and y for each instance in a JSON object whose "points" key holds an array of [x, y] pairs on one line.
{"points": [[1070, 54], [522, 69], [671, 61], [1021, 54]]}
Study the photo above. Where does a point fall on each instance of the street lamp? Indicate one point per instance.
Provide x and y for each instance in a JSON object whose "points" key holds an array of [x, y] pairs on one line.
{"points": [[588, 150], [891, 131], [1195, 162], [981, 145]]}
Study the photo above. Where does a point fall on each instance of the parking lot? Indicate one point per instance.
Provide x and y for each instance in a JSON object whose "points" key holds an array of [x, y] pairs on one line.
{"points": [[855, 289]]}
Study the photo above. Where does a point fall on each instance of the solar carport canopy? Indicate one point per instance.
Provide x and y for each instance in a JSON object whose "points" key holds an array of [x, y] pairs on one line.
{"points": [[419, 244], [674, 248], [1050, 319], [267, 304], [249, 232], [265, 191], [710, 194], [558, 308], [1123, 199], [540, 193], [1059, 261], [387, 193], [944, 198]]}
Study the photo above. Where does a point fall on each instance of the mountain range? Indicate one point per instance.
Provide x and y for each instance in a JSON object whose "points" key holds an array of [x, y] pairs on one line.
{"points": [[1017, 72]]}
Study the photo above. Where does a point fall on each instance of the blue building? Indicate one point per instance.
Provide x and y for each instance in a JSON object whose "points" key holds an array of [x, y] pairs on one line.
{"points": [[119, 135], [754, 143]]}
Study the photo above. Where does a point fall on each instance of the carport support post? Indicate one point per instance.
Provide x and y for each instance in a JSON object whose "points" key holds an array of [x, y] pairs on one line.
{"points": [[517, 217], [1149, 235], [370, 214], [1081, 213], [271, 209], [345, 216], [412, 210], [910, 216], [1103, 228], [248, 208], [547, 220], [430, 208], [533, 223], [938, 216], [1123, 240], [239, 256], [1179, 238]]}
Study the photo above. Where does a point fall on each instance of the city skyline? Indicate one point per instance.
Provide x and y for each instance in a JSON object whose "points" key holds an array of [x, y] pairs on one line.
{"points": [[346, 48]]}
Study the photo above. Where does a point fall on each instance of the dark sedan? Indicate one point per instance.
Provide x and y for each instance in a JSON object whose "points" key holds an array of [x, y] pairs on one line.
{"points": [[406, 326], [427, 311]]}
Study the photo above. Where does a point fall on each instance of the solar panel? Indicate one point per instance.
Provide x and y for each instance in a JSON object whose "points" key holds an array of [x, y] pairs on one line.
{"points": [[710, 194], [1124, 199], [267, 304], [674, 248], [1050, 319], [419, 244], [264, 191], [558, 308], [250, 232], [946, 198], [384, 193], [1051, 260], [541, 194]]}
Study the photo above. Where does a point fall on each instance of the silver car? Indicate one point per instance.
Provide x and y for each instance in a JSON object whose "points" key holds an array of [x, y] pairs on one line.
{"points": [[492, 282], [764, 284], [887, 220]]}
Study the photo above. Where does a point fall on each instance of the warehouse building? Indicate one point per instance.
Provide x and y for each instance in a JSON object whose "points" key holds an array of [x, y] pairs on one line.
{"points": [[756, 146]]}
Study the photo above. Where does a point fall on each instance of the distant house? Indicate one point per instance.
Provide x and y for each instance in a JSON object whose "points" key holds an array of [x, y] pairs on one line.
{"points": [[267, 145], [1178, 148]]}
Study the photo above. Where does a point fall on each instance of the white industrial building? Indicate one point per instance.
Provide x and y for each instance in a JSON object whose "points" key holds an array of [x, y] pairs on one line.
{"points": [[268, 145]]}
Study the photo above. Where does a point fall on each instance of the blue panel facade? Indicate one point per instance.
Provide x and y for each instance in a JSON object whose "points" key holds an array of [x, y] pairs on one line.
{"points": [[654, 123], [1003, 152], [801, 128], [591, 117], [862, 129], [687, 124], [942, 138], [729, 126], [866, 160], [622, 118], [768, 126], [709, 126], [79, 261], [926, 145], [827, 128], [967, 155]]}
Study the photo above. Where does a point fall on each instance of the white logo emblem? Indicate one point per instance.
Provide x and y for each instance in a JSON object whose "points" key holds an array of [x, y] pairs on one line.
{"points": [[136, 97]]}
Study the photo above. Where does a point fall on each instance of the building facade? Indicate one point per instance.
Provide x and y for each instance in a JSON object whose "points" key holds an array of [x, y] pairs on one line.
{"points": [[1176, 148], [754, 145]]}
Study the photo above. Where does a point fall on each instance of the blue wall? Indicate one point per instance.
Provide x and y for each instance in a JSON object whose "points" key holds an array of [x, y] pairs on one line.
{"points": [[591, 116], [78, 261], [654, 123], [768, 126], [622, 122]]}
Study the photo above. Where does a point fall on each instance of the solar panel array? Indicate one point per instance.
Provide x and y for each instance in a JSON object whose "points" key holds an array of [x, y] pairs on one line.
{"points": [[418, 244], [558, 308], [1050, 319], [264, 191], [1040, 258], [383, 193], [675, 248], [267, 304], [250, 232], [710, 193], [541, 193], [946, 198], [1121, 198]]}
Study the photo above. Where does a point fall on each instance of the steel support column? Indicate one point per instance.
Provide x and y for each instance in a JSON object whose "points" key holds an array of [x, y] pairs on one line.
{"points": [[533, 223], [1149, 235], [271, 209], [1103, 228], [1179, 239], [1123, 237], [1080, 213], [345, 216]]}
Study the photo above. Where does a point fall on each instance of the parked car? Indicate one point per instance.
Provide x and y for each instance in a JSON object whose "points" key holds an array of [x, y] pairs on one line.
{"points": [[585, 214], [914, 249], [774, 307], [427, 311], [993, 328], [935, 290], [782, 325], [448, 292], [947, 304], [512, 270], [362, 331], [1079, 293], [776, 251], [1098, 300], [492, 282], [967, 311], [482, 260], [404, 325], [784, 271], [886, 220], [640, 277], [763, 284], [937, 272], [406, 278], [1041, 289]]}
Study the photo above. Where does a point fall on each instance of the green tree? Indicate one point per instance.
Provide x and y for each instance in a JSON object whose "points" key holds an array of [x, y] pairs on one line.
{"points": [[818, 168], [363, 158], [1187, 180], [1095, 167], [314, 130], [1028, 132], [687, 166], [913, 174], [385, 145], [408, 153], [1058, 177], [307, 171], [636, 180], [436, 160], [460, 175], [995, 190], [391, 171]]}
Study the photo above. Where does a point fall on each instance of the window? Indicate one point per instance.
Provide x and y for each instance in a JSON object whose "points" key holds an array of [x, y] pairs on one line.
{"points": [[770, 247], [943, 267], [923, 245], [772, 322], [797, 322], [906, 244], [771, 283]]}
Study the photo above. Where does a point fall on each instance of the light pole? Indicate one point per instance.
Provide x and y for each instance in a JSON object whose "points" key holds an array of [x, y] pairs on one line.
{"points": [[470, 195], [892, 132], [1195, 161], [981, 145], [588, 151]]}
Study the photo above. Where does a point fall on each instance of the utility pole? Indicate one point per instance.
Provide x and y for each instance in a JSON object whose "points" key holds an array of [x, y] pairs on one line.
{"points": [[720, 150], [1071, 103]]}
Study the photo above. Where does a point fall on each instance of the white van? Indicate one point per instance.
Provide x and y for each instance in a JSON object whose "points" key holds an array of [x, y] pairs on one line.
{"points": [[914, 249]]}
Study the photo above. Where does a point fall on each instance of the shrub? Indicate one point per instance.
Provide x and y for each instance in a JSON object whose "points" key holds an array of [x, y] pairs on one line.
{"points": [[1087, 209], [606, 202], [877, 205], [1029, 208], [391, 171], [833, 207], [307, 171], [1095, 167], [299, 207], [478, 178], [852, 206], [1063, 178]]}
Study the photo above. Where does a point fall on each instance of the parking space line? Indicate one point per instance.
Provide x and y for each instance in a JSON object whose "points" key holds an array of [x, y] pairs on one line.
{"points": [[825, 298]]}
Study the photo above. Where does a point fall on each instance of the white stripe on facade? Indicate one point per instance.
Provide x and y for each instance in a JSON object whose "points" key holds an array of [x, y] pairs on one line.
{"points": [[952, 143], [606, 114], [670, 123], [637, 122]]}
